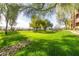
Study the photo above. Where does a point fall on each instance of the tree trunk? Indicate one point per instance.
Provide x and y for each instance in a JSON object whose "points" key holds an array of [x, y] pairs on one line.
{"points": [[66, 25], [36, 29], [71, 24], [44, 28], [6, 18], [6, 29], [74, 24], [11, 28]]}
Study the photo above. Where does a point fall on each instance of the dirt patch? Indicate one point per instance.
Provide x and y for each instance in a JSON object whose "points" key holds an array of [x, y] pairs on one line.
{"points": [[11, 50]]}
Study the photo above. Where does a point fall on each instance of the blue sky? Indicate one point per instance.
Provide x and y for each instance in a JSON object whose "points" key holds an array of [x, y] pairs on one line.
{"points": [[23, 21]]}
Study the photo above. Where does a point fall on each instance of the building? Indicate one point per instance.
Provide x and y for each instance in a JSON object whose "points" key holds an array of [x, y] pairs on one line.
{"points": [[75, 20]]}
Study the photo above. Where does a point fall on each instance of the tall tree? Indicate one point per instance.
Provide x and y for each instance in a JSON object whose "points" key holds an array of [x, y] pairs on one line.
{"points": [[35, 23], [10, 12], [65, 11], [45, 24], [13, 13], [41, 9]]}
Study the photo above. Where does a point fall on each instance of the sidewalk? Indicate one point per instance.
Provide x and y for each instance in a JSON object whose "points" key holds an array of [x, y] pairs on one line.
{"points": [[74, 31]]}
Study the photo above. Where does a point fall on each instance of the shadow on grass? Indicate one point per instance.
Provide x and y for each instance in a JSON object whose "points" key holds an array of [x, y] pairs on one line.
{"points": [[64, 47], [2, 33], [11, 38], [45, 32], [68, 45]]}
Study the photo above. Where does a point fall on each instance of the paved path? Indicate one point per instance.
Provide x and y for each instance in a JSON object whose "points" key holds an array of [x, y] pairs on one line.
{"points": [[74, 31]]}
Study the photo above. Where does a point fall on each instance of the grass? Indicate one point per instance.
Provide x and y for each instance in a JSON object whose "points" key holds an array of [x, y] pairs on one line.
{"points": [[60, 43]]}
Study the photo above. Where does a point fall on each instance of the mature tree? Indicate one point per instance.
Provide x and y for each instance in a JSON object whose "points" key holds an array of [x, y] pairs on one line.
{"points": [[10, 12], [37, 23], [41, 9], [13, 13], [64, 11], [45, 24]]}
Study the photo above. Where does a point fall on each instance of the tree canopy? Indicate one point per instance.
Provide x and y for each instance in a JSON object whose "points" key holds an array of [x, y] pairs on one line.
{"points": [[38, 24]]}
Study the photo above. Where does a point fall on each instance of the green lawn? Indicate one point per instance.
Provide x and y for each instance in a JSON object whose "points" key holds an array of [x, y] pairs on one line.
{"points": [[58, 43]]}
